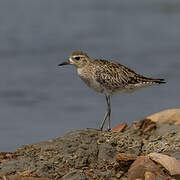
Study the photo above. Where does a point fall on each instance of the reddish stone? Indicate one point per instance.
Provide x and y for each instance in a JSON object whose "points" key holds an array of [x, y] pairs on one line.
{"points": [[9, 155], [119, 128], [147, 125], [5, 156], [3, 160], [125, 157], [141, 165]]}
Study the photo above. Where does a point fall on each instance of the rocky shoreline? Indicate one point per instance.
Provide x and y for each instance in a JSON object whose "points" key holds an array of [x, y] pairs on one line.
{"points": [[146, 150]]}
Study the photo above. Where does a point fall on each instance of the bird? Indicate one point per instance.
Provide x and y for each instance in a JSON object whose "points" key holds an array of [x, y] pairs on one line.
{"points": [[108, 77]]}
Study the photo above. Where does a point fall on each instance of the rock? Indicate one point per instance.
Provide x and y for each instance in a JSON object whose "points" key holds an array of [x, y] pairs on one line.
{"points": [[55, 158], [119, 128], [5, 156], [144, 128], [164, 129], [123, 178], [168, 116], [142, 165], [93, 154], [171, 164], [125, 160], [168, 143], [125, 157], [145, 125], [127, 142], [175, 155], [119, 174], [105, 174], [106, 153], [149, 176], [16, 177], [75, 174]]}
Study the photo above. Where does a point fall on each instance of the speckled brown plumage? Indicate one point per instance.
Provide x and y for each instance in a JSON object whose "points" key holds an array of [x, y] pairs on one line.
{"points": [[118, 78], [108, 77]]}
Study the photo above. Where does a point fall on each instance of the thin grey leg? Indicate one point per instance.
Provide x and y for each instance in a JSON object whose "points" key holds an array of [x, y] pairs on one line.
{"points": [[107, 113], [103, 122], [109, 116]]}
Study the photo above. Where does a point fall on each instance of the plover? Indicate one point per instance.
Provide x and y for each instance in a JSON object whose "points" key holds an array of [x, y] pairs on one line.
{"points": [[108, 78]]}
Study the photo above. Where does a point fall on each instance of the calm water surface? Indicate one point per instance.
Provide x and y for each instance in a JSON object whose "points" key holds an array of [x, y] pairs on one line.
{"points": [[40, 101]]}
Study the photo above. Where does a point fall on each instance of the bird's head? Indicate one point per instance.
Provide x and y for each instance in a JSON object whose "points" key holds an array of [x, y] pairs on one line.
{"points": [[77, 58]]}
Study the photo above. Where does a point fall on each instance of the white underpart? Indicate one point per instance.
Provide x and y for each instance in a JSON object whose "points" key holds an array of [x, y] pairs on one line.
{"points": [[92, 83]]}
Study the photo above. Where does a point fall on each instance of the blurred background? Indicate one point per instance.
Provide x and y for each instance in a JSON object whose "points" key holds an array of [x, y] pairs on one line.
{"points": [[40, 101]]}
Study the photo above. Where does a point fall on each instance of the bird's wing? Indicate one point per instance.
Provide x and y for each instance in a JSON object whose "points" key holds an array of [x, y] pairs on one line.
{"points": [[111, 74]]}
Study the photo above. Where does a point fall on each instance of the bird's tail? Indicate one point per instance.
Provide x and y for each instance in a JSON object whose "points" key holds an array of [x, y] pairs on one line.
{"points": [[153, 81], [159, 81]]}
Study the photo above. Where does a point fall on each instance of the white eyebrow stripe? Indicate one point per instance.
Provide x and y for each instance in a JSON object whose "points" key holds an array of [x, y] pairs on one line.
{"points": [[77, 56]]}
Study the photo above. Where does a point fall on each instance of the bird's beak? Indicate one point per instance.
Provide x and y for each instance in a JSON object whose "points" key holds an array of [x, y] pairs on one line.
{"points": [[64, 63]]}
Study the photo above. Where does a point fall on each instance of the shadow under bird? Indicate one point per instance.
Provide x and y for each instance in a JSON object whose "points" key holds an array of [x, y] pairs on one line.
{"points": [[108, 78]]}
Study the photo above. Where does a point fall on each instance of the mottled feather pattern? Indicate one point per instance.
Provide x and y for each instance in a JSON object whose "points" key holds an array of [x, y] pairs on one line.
{"points": [[115, 76], [105, 70]]}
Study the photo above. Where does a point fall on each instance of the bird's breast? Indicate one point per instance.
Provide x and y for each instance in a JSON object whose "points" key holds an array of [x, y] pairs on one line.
{"points": [[89, 79]]}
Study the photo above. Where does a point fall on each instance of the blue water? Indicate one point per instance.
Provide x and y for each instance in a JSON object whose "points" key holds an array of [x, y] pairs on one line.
{"points": [[40, 101]]}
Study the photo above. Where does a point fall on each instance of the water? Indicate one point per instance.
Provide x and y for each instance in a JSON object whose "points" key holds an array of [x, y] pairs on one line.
{"points": [[40, 101]]}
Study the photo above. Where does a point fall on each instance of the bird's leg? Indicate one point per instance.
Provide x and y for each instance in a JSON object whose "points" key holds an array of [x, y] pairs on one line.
{"points": [[102, 124], [107, 113]]}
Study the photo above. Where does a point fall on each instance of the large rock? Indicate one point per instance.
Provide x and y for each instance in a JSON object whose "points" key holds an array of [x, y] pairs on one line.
{"points": [[171, 116], [141, 166], [171, 164]]}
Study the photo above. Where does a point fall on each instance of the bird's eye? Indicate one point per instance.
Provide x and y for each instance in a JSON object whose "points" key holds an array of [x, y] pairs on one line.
{"points": [[77, 58]]}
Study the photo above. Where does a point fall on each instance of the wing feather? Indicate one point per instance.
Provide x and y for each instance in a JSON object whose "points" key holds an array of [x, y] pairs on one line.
{"points": [[114, 76], [110, 74]]}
